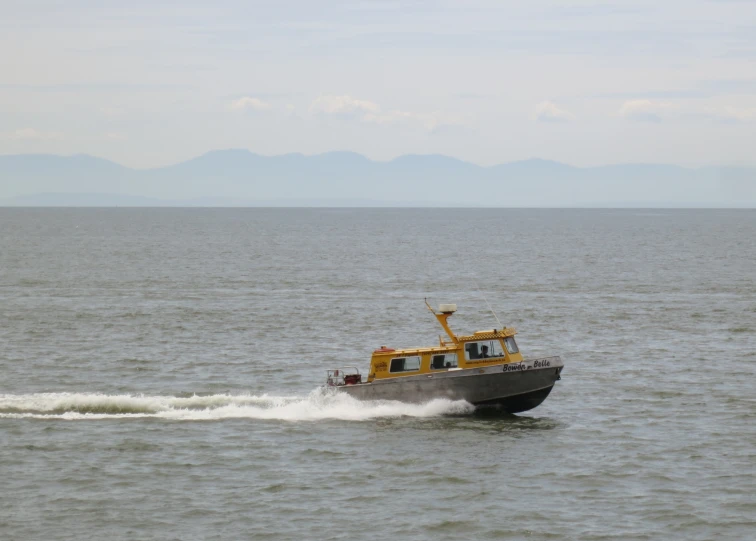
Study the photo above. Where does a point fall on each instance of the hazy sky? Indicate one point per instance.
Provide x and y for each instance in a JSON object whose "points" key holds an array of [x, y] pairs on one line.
{"points": [[153, 83]]}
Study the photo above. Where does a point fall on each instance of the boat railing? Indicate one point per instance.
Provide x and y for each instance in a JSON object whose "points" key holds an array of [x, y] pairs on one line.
{"points": [[348, 375]]}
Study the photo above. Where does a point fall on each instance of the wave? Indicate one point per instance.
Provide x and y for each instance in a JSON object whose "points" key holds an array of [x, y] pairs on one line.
{"points": [[320, 404]]}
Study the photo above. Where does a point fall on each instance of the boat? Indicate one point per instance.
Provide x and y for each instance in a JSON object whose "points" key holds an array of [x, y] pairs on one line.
{"points": [[485, 368]]}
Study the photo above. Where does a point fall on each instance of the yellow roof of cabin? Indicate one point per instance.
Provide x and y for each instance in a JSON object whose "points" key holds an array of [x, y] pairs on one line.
{"points": [[488, 335], [413, 351]]}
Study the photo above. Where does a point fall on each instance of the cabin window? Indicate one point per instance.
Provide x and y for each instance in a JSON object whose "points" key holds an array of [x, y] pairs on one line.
{"points": [[405, 364], [511, 345], [443, 360], [485, 349]]}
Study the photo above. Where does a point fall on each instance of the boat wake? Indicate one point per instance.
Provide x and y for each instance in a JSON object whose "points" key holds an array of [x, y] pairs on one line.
{"points": [[318, 405]]}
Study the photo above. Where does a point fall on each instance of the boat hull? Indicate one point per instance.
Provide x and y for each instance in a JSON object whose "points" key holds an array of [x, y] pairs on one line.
{"points": [[513, 387]]}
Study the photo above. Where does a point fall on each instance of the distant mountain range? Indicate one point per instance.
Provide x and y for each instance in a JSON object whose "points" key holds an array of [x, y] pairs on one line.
{"points": [[242, 178]]}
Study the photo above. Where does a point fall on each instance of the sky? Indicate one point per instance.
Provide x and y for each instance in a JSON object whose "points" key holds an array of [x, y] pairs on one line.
{"points": [[151, 83]]}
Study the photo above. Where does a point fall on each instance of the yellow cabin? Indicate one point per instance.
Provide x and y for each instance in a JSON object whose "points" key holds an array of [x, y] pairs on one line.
{"points": [[484, 348]]}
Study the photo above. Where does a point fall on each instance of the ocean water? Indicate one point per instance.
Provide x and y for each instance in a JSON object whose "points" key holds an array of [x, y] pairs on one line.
{"points": [[160, 373]]}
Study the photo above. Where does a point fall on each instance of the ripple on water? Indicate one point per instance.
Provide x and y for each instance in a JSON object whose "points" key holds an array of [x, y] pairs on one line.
{"points": [[158, 368]]}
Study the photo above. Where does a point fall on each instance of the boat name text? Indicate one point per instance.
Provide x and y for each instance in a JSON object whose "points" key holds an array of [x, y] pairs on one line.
{"points": [[520, 366], [515, 367]]}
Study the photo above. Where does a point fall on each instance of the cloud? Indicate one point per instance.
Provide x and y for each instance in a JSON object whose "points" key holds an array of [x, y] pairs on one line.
{"points": [[112, 112], [248, 102], [30, 134], [343, 105], [371, 112], [547, 111], [391, 117], [644, 110], [738, 115], [654, 111]]}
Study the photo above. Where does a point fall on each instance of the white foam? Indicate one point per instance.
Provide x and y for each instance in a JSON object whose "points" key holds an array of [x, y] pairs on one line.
{"points": [[318, 405]]}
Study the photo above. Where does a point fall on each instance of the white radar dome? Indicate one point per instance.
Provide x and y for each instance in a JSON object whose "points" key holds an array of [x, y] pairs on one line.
{"points": [[446, 308]]}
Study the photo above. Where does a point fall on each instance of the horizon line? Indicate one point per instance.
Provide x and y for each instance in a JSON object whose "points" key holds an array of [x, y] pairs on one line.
{"points": [[395, 158], [282, 207]]}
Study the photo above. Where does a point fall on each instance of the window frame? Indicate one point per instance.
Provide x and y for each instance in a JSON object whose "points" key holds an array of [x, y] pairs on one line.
{"points": [[404, 358], [453, 353], [485, 342]]}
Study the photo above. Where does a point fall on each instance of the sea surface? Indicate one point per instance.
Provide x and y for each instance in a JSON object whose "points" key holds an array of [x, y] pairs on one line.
{"points": [[160, 374]]}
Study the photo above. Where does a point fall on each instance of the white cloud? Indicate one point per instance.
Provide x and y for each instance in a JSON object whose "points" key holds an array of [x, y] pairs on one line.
{"points": [[248, 102], [343, 105], [740, 115], [29, 134], [371, 112], [644, 110], [112, 112], [654, 111], [547, 111], [430, 121], [390, 117]]}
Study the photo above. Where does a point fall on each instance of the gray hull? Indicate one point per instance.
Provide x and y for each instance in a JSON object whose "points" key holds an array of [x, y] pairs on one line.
{"points": [[513, 387]]}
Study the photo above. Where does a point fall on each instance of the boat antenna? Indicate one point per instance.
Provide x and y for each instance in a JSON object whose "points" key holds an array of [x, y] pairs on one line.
{"points": [[485, 299]]}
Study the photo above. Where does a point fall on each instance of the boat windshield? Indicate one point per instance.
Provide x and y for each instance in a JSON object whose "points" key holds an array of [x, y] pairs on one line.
{"points": [[484, 349], [511, 345]]}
